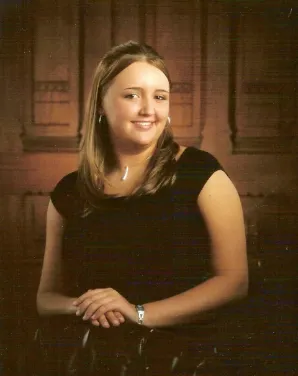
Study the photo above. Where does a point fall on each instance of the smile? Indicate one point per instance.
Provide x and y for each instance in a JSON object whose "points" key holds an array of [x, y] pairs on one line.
{"points": [[143, 124]]}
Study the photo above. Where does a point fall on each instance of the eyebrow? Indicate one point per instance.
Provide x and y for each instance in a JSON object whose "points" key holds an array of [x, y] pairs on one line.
{"points": [[140, 89]]}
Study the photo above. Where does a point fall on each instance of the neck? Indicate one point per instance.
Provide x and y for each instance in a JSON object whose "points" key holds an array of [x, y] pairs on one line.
{"points": [[130, 158], [130, 163]]}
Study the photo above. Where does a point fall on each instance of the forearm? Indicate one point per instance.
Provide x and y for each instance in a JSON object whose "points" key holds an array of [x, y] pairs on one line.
{"points": [[52, 303], [193, 303]]}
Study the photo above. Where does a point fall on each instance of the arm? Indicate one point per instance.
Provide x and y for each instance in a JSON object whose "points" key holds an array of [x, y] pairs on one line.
{"points": [[50, 299], [220, 206]]}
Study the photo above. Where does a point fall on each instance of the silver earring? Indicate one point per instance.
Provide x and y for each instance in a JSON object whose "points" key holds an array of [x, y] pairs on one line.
{"points": [[99, 119], [169, 120]]}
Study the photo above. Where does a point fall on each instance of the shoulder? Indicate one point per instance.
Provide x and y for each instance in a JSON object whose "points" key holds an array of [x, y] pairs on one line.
{"points": [[69, 180], [194, 168], [67, 184], [195, 163], [65, 195], [192, 157]]}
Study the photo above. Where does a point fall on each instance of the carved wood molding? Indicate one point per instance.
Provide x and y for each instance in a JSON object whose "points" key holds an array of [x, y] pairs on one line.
{"points": [[189, 141], [265, 145], [181, 87], [51, 86], [52, 113], [262, 113], [51, 144]]}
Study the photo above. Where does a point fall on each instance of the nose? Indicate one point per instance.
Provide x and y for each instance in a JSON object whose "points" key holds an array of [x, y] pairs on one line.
{"points": [[147, 106]]}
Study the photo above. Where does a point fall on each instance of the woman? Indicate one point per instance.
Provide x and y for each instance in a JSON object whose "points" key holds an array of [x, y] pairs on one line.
{"points": [[146, 231]]}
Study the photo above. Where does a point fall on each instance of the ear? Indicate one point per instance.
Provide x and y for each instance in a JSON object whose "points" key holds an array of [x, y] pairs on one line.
{"points": [[100, 107], [100, 112]]}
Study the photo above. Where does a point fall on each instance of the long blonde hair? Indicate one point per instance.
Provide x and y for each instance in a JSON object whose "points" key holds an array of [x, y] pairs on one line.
{"points": [[96, 152]]}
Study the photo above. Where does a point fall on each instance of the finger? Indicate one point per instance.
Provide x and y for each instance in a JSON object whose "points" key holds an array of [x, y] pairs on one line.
{"points": [[87, 295], [125, 308], [119, 316], [104, 308], [103, 321], [81, 298], [94, 306], [90, 304], [83, 306], [111, 317], [95, 322]]}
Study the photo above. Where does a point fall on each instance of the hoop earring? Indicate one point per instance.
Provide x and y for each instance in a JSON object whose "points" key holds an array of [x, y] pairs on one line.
{"points": [[99, 119], [169, 120]]}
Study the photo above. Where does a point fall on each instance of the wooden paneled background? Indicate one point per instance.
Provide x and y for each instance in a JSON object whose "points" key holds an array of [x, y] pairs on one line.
{"points": [[235, 73]]}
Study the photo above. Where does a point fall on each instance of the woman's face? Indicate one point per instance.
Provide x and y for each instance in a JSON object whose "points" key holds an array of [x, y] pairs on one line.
{"points": [[137, 105]]}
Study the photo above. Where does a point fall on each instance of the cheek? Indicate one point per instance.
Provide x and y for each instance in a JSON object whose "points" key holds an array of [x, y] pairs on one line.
{"points": [[116, 113], [163, 111], [124, 110]]}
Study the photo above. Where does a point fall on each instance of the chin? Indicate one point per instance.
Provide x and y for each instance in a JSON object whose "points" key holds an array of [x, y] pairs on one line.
{"points": [[144, 143], [152, 139]]}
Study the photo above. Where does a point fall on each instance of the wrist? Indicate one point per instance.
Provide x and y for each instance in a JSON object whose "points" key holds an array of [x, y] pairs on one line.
{"points": [[52, 303], [71, 309], [140, 310], [147, 319]]}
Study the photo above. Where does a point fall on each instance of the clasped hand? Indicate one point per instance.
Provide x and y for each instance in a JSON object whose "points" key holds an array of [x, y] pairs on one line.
{"points": [[105, 307]]}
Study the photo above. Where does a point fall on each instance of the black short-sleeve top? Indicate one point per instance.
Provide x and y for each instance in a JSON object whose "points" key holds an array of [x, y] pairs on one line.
{"points": [[148, 247]]}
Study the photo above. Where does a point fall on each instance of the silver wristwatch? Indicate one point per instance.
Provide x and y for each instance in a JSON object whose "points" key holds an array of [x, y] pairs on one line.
{"points": [[141, 313]]}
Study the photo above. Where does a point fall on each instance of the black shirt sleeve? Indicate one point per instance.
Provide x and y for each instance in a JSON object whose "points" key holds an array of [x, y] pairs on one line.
{"points": [[206, 165], [65, 196], [195, 170]]}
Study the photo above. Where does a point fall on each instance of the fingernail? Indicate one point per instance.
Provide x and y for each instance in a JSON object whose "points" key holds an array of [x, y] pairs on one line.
{"points": [[78, 312], [85, 317], [116, 322], [74, 303]]}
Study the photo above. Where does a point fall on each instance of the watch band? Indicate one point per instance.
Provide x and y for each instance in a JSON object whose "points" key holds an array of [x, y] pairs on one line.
{"points": [[141, 313]]}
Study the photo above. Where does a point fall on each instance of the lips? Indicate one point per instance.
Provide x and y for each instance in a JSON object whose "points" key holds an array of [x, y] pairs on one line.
{"points": [[144, 125]]}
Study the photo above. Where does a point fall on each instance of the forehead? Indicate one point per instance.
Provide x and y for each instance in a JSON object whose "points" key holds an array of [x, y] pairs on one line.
{"points": [[141, 74]]}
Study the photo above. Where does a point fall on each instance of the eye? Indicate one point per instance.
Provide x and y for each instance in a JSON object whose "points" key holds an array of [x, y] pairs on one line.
{"points": [[161, 97], [131, 96]]}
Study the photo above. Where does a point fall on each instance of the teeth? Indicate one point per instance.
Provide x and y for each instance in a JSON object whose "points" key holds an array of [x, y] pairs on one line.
{"points": [[143, 123]]}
